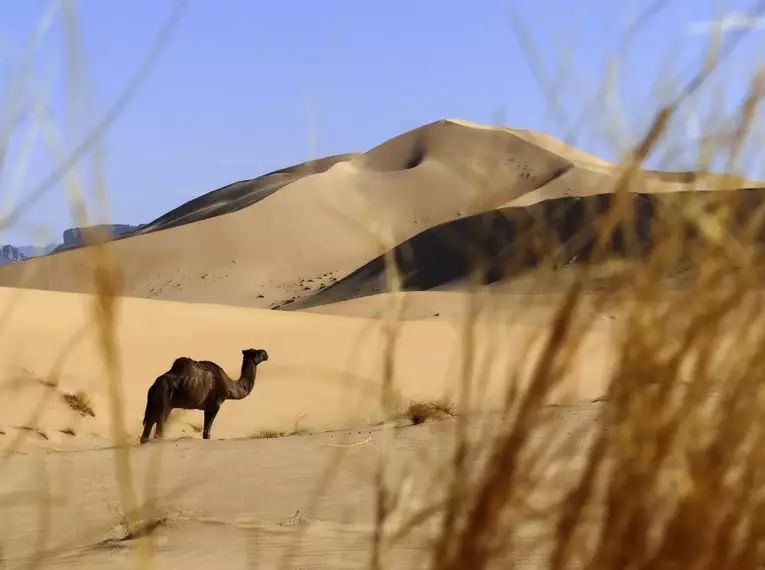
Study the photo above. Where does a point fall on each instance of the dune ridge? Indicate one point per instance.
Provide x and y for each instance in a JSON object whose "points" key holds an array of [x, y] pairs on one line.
{"points": [[278, 240]]}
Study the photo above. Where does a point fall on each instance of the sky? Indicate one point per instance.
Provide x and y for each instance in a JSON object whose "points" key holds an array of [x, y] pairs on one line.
{"points": [[244, 87]]}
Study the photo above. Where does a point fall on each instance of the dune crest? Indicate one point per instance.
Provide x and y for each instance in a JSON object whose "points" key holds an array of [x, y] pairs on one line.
{"points": [[286, 239]]}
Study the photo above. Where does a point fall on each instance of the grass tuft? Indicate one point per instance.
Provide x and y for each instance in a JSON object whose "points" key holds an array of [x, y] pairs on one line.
{"points": [[420, 412], [140, 529], [269, 434], [132, 531], [40, 432], [80, 403]]}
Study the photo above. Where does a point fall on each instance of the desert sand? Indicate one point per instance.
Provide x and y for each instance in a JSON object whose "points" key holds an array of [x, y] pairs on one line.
{"points": [[291, 262]]}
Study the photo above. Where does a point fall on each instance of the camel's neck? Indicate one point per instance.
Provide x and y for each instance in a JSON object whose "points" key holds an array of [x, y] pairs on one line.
{"points": [[242, 387]]}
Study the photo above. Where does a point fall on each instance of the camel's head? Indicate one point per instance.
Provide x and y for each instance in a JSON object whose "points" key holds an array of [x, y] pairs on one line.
{"points": [[257, 355]]}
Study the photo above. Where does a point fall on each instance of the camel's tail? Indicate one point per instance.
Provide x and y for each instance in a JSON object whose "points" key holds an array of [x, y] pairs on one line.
{"points": [[158, 399]]}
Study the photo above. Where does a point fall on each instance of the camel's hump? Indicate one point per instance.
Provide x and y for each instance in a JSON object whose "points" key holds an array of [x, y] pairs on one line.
{"points": [[186, 365], [207, 365], [182, 363]]}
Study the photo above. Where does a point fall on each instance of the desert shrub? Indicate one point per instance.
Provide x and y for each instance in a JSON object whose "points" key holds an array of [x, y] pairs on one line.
{"points": [[79, 402], [420, 412]]}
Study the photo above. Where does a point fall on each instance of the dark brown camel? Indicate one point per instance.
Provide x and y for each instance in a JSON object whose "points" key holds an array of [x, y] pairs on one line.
{"points": [[197, 385]]}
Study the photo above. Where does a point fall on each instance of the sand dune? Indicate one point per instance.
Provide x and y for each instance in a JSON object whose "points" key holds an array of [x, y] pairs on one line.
{"points": [[324, 372], [511, 242], [251, 245], [319, 227], [283, 239]]}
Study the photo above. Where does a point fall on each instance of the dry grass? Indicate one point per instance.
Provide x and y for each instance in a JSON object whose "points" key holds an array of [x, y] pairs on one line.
{"points": [[129, 531], [674, 476], [296, 429], [269, 434], [80, 402], [272, 434], [42, 434], [141, 528], [100, 268], [420, 412]]}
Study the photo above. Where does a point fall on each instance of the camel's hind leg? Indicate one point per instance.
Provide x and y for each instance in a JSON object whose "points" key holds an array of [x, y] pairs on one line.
{"points": [[158, 406], [160, 431], [147, 431], [149, 416]]}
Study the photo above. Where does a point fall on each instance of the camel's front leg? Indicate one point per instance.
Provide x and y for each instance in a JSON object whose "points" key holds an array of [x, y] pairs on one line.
{"points": [[210, 412]]}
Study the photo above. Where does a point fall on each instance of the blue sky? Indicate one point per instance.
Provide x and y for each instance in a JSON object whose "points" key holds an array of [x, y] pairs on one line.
{"points": [[245, 87]]}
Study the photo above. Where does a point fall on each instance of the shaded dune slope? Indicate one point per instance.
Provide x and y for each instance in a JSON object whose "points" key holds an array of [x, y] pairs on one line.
{"points": [[232, 197], [505, 243], [239, 195]]}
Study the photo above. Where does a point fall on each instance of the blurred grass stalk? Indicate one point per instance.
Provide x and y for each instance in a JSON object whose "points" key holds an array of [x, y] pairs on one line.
{"points": [[104, 269], [673, 474]]}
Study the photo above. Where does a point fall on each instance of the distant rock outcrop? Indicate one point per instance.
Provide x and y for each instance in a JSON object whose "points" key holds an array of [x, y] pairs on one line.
{"points": [[75, 237], [9, 254], [34, 250]]}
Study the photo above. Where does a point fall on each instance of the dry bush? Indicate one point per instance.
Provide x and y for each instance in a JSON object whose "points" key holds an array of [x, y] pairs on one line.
{"points": [[671, 474], [420, 412], [80, 402], [140, 529], [674, 477]]}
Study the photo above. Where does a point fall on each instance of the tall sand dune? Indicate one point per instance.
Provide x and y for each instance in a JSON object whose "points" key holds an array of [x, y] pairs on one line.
{"points": [[316, 228], [286, 239]]}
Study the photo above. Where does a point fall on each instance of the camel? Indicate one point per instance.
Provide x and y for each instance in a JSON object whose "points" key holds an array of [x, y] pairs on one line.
{"points": [[197, 385]]}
